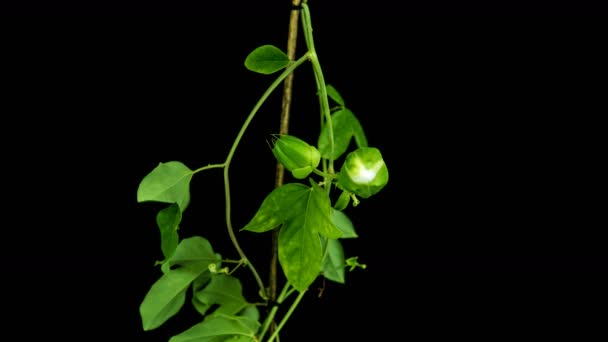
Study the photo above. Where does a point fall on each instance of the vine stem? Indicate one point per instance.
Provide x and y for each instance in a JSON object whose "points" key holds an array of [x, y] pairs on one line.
{"points": [[210, 166], [321, 88], [292, 37], [287, 315], [270, 318], [290, 68], [324, 174]]}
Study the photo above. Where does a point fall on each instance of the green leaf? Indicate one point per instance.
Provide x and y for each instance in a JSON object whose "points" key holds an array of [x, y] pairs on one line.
{"points": [[241, 338], [271, 214], [266, 59], [251, 312], [345, 126], [317, 213], [167, 295], [304, 212], [225, 291], [197, 285], [192, 251], [167, 183], [341, 121], [358, 132], [343, 223], [333, 263], [334, 95], [168, 221], [342, 201], [220, 328], [300, 253]]}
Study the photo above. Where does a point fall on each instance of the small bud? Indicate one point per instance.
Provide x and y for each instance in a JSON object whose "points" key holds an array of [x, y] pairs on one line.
{"points": [[364, 172], [296, 155]]}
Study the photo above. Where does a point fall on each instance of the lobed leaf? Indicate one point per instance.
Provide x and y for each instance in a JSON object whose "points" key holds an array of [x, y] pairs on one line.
{"points": [[317, 213], [304, 212], [300, 254], [275, 207]]}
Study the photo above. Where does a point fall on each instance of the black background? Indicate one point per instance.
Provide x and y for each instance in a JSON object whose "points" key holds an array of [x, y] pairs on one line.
{"points": [[491, 224]]}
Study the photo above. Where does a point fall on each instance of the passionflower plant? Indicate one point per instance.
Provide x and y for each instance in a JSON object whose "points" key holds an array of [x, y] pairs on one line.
{"points": [[364, 172], [296, 155]]}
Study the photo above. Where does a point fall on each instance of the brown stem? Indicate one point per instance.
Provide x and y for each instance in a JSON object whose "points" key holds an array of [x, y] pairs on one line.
{"points": [[292, 36]]}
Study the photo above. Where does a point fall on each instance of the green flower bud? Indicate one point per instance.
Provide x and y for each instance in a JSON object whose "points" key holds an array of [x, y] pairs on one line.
{"points": [[296, 155], [364, 172]]}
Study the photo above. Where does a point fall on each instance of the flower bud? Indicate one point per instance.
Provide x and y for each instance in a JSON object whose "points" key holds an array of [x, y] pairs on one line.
{"points": [[296, 155], [364, 172]]}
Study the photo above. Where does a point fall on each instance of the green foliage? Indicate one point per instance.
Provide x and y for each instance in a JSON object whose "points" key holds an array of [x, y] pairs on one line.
{"points": [[310, 229], [274, 210], [168, 183], [316, 213], [167, 295], [220, 328], [345, 126], [343, 223], [195, 250], [300, 254], [343, 200], [335, 95], [225, 291], [304, 213], [358, 133], [333, 263], [168, 221], [266, 59]]}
